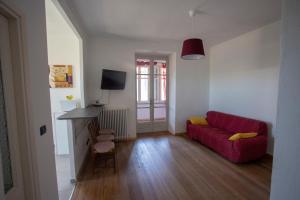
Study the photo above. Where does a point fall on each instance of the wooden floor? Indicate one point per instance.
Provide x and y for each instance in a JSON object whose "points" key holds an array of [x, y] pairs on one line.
{"points": [[166, 167]]}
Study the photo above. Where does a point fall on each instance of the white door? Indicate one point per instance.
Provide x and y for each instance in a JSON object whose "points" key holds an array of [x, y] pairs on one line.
{"points": [[11, 183], [152, 93]]}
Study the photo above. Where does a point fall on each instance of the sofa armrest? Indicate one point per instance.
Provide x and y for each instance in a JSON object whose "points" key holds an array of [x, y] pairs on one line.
{"points": [[251, 147], [188, 122]]}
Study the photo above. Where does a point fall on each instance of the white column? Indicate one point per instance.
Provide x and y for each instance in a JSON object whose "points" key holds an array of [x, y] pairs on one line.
{"points": [[286, 174]]}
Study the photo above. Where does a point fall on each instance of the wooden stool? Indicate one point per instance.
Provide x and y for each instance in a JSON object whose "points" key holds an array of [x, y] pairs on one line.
{"points": [[106, 131], [103, 148], [106, 137]]}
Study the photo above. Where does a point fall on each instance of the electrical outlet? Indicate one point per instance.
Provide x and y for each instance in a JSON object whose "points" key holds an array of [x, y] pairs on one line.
{"points": [[43, 130]]}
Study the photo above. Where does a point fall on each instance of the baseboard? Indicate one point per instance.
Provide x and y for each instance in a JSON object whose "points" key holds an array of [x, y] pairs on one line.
{"points": [[132, 138], [153, 134], [128, 139], [180, 134]]}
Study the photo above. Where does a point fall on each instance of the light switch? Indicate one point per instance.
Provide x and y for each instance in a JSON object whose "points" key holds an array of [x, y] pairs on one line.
{"points": [[43, 130]]}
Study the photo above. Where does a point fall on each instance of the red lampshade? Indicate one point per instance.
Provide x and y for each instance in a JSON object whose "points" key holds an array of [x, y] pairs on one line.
{"points": [[192, 49]]}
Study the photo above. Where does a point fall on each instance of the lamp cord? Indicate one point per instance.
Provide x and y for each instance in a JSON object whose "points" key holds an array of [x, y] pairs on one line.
{"points": [[193, 26], [195, 12]]}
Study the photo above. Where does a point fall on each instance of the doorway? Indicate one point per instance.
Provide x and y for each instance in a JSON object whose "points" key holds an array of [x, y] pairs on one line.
{"points": [[151, 93], [64, 46]]}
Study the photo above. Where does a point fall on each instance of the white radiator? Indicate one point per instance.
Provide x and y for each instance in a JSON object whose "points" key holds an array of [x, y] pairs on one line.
{"points": [[116, 119]]}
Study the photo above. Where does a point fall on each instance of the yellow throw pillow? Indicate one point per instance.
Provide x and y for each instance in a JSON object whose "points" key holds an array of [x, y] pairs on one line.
{"points": [[198, 120], [238, 136]]}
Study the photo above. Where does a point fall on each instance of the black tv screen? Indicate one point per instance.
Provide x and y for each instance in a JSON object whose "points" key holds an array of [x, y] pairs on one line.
{"points": [[113, 80]]}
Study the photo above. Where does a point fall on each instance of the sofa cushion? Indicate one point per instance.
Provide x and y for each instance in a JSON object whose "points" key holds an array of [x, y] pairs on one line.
{"points": [[198, 120], [238, 136], [234, 124], [207, 134], [195, 130]]}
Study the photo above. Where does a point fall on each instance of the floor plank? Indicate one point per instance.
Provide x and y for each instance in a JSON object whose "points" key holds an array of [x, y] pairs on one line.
{"points": [[162, 166]]}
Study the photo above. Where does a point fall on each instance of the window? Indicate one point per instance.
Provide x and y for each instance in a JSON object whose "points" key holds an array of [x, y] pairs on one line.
{"points": [[143, 80], [160, 81], [151, 89]]}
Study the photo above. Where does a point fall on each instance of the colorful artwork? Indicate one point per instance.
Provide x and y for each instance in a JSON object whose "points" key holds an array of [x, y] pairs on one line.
{"points": [[61, 76]]}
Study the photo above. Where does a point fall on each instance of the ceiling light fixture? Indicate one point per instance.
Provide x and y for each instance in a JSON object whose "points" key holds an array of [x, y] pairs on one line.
{"points": [[192, 48]]}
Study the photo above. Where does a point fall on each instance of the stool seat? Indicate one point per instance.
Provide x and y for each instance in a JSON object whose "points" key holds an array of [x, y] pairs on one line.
{"points": [[106, 131], [104, 147], [105, 137]]}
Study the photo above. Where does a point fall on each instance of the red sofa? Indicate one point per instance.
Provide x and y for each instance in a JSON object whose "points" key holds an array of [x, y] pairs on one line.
{"points": [[221, 126]]}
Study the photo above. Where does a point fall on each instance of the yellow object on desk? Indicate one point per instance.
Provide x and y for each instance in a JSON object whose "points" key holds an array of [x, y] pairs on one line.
{"points": [[69, 97]]}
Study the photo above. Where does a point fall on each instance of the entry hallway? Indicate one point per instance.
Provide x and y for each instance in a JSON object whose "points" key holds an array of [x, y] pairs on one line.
{"points": [[163, 166]]}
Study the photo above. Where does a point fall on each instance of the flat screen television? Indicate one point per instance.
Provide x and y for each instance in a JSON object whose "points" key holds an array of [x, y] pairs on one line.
{"points": [[113, 80]]}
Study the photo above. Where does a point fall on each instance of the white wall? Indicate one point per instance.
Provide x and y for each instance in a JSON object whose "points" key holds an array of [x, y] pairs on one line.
{"points": [[191, 96], [63, 48], [244, 76], [172, 93], [73, 19], [66, 45], [286, 160], [36, 71], [192, 90]]}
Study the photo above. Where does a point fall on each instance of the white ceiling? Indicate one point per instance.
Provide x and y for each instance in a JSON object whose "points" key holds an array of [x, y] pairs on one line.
{"points": [[168, 19]]}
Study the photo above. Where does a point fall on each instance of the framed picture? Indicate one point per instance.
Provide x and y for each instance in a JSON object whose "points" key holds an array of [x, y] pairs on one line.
{"points": [[61, 76]]}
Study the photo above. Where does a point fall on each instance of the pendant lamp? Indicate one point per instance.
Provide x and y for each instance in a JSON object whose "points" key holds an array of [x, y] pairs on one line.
{"points": [[192, 49]]}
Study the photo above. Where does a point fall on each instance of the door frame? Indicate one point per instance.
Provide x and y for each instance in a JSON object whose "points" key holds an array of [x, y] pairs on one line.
{"points": [[20, 66], [1, 180], [17, 191], [153, 56]]}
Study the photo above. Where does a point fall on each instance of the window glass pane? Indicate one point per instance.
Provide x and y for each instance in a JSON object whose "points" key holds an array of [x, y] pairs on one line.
{"points": [[156, 88], [137, 90], [160, 88], [4, 143], [163, 87], [143, 112], [144, 88], [160, 111], [142, 66], [145, 70], [142, 79], [160, 67], [160, 83], [163, 71]]}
